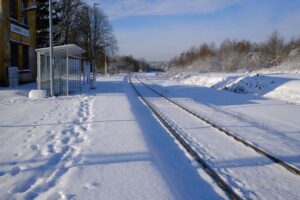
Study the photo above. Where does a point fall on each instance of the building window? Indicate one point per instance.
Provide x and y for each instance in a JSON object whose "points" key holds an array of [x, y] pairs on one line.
{"points": [[14, 54], [13, 9], [19, 55], [25, 55], [24, 13]]}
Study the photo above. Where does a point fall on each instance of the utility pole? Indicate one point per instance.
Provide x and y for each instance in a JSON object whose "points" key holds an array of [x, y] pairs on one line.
{"points": [[105, 64], [51, 48], [93, 82]]}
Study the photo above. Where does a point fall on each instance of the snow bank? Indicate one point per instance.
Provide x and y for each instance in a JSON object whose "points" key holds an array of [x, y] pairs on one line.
{"points": [[203, 80], [253, 84], [37, 94], [281, 86], [267, 84], [180, 76], [216, 80]]}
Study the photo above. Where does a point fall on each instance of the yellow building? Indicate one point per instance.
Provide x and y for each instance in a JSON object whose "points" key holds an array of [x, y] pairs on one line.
{"points": [[17, 39]]}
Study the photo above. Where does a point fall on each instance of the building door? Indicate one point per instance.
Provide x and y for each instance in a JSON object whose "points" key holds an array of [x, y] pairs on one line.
{"points": [[25, 57], [14, 54]]}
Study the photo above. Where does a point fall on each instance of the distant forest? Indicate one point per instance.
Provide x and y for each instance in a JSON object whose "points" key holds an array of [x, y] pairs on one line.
{"points": [[234, 55]]}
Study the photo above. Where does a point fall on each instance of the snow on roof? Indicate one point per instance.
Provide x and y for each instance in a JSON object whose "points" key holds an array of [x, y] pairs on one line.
{"points": [[62, 50]]}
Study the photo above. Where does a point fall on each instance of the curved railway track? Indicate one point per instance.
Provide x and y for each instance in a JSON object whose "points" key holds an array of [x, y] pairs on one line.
{"points": [[259, 150], [221, 183]]}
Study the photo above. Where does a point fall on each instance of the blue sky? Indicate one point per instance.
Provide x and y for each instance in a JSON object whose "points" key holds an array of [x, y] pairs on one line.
{"points": [[157, 30]]}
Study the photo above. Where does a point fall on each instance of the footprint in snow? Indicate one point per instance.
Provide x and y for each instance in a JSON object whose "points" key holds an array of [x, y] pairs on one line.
{"points": [[76, 134], [34, 147], [57, 195], [50, 138], [15, 170], [65, 140], [80, 139], [51, 148], [50, 132], [83, 128], [93, 185]]}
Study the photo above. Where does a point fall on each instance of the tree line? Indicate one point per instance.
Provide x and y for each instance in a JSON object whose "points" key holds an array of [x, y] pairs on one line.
{"points": [[234, 55], [131, 64], [76, 22]]}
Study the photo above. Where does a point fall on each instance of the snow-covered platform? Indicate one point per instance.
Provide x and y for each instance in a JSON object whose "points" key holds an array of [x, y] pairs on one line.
{"points": [[104, 144]]}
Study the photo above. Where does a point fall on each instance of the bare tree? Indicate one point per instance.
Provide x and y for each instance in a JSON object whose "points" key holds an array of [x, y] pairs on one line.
{"points": [[92, 30], [205, 51], [233, 55], [273, 48], [104, 42], [67, 10]]}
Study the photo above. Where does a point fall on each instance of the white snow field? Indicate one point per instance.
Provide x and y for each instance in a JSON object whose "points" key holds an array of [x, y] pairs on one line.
{"points": [[250, 174], [283, 86], [106, 144], [269, 123], [101, 144]]}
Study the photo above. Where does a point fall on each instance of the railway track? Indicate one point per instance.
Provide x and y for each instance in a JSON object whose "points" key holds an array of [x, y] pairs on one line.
{"points": [[289, 167], [223, 182], [210, 171]]}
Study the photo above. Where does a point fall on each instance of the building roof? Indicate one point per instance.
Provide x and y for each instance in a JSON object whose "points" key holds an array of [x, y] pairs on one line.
{"points": [[62, 50]]}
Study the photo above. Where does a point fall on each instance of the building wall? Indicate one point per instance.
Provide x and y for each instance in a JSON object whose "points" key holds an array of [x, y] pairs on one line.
{"points": [[7, 36], [4, 38]]}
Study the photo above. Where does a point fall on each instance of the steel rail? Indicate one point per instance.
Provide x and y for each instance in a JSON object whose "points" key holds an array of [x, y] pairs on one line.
{"points": [[210, 171], [259, 150]]}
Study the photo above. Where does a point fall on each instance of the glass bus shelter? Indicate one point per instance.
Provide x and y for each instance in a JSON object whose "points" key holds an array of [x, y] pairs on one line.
{"points": [[67, 69]]}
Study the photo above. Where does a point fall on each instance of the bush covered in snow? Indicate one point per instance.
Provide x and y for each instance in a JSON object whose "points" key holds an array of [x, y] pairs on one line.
{"points": [[234, 55], [254, 84]]}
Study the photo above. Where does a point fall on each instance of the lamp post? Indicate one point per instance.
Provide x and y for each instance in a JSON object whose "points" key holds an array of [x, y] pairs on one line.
{"points": [[93, 82], [51, 47], [105, 64]]}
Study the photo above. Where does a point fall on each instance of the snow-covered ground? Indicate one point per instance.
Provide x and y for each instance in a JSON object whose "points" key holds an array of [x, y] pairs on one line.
{"points": [[272, 124], [102, 144], [106, 144], [283, 86], [248, 172]]}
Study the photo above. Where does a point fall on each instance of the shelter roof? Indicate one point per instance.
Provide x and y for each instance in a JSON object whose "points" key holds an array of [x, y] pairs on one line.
{"points": [[62, 50]]}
